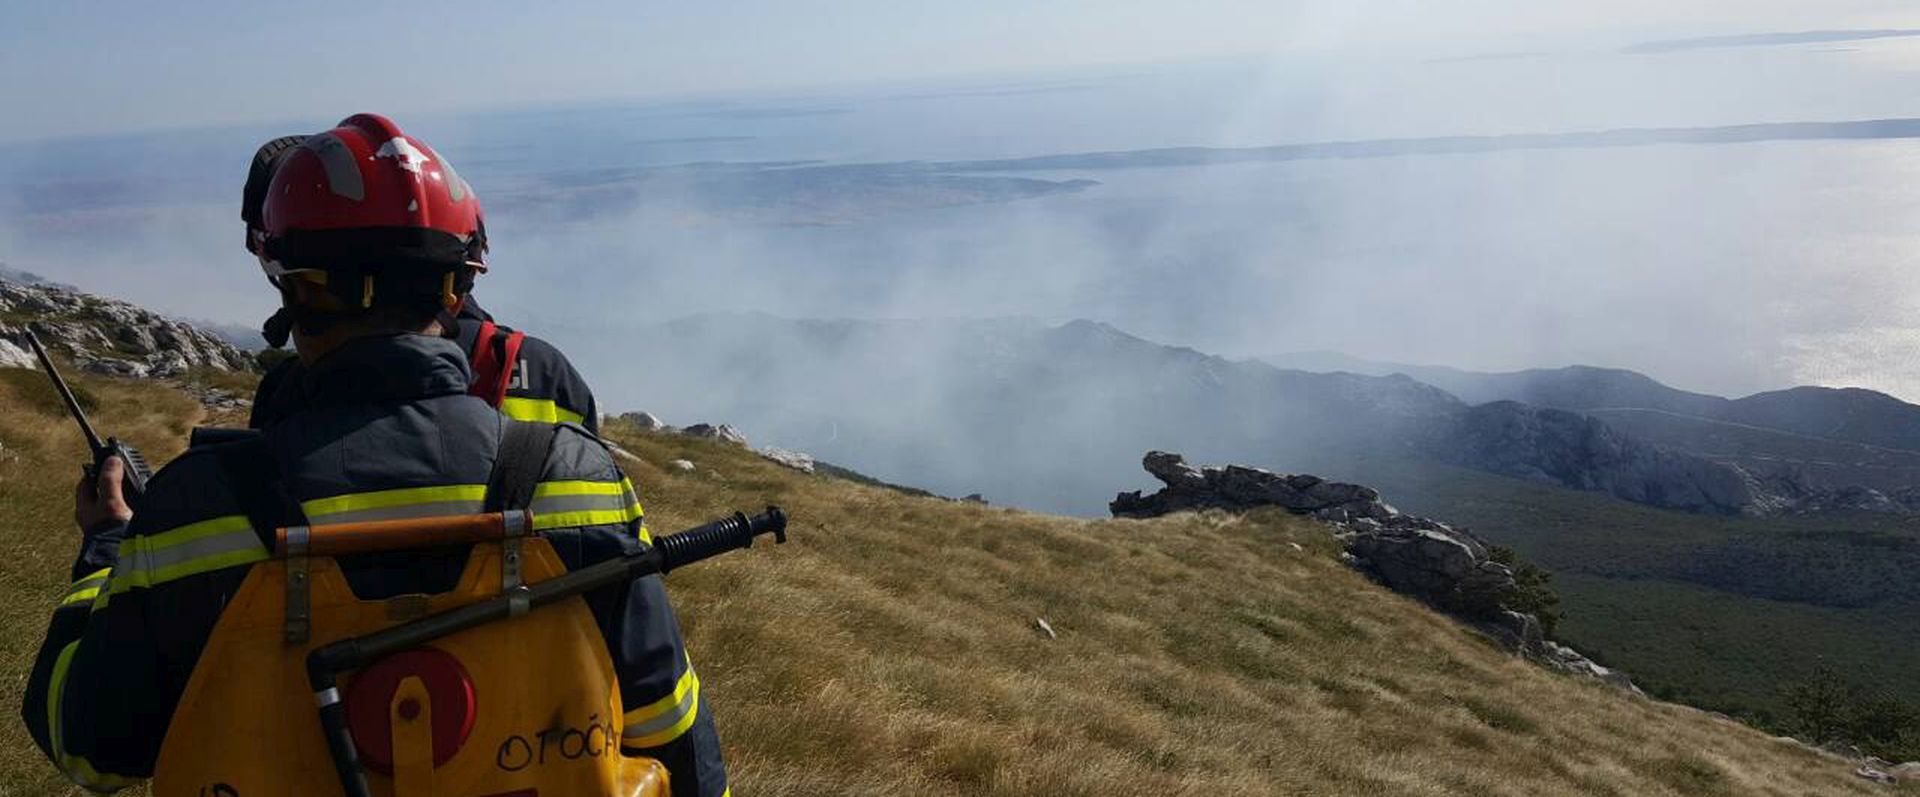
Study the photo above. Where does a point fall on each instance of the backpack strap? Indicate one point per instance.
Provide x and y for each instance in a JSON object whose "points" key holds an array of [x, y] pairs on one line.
{"points": [[519, 464], [254, 475], [517, 467], [494, 358]]}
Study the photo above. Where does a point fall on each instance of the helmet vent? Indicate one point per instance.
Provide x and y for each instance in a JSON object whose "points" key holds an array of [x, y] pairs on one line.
{"points": [[343, 175]]}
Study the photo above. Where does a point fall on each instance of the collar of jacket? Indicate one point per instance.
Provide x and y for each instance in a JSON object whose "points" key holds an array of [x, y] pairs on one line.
{"points": [[387, 368]]}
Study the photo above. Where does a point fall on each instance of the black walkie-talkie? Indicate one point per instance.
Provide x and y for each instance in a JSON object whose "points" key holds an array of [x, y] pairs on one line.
{"points": [[137, 470]]}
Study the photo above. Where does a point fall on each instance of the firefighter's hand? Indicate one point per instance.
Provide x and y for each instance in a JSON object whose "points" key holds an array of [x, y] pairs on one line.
{"points": [[99, 503]]}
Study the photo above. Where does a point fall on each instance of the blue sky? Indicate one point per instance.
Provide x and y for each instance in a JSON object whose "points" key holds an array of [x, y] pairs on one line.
{"points": [[116, 66]]}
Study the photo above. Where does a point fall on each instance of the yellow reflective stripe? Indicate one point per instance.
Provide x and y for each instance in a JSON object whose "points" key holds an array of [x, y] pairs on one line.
{"points": [[664, 720], [542, 410], [83, 595], [87, 588], [390, 499], [568, 504], [76, 768], [58, 684], [586, 517], [547, 489], [688, 682], [192, 549], [229, 541]]}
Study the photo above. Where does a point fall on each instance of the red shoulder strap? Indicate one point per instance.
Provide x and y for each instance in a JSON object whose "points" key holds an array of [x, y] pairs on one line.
{"points": [[493, 366]]}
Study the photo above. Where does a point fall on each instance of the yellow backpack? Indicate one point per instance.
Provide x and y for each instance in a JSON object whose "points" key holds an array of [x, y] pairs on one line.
{"points": [[500, 687], [525, 706]]}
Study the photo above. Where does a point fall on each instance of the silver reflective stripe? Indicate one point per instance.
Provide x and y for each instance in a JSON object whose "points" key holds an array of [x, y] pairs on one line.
{"points": [[402, 512], [326, 697], [297, 540], [557, 504], [664, 721], [148, 560]]}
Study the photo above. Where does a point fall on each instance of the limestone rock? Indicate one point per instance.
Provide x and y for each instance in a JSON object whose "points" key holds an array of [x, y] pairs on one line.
{"points": [[792, 459], [721, 432], [1174, 470], [15, 356], [681, 464], [645, 421], [111, 337]]}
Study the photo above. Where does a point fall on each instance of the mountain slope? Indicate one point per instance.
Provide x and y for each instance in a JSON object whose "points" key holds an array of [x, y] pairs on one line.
{"points": [[1042, 416], [889, 648], [1722, 612], [1846, 415], [1800, 441]]}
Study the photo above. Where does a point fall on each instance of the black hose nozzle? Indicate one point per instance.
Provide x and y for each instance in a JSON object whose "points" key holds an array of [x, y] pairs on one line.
{"points": [[720, 536]]}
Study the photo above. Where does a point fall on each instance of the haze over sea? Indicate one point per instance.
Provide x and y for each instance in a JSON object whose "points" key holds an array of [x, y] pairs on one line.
{"points": [[1716, 265]]}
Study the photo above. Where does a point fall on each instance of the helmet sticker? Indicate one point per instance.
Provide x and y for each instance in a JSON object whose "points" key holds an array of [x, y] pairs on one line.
{"points": [[402, 150]]}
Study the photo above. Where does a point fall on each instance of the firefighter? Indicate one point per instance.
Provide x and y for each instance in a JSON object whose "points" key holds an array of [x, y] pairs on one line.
{"points": [[370, 237], [540, 383]]}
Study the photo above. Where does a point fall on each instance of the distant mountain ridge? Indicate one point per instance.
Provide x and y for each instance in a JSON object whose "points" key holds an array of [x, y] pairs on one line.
{"points": [[1038, 415], [1854, 415], [1824, 438]]}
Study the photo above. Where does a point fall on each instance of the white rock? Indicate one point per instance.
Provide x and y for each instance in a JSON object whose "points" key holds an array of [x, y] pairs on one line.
{"points": [[681, 464], [12, 356], [1045, 627], [791, 459], [722, 433], [645, 420]]}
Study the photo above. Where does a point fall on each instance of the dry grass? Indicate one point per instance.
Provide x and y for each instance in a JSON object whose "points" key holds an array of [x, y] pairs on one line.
{"points": [[890, 649], [41, 451]]}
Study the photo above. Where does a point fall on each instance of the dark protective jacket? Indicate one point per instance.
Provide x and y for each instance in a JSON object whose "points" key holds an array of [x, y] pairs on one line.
{"points": [[384, 429], [545, 386]]}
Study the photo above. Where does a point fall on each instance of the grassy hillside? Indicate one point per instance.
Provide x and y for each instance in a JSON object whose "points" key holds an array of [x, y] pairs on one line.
{"points": [[890, 649], [1720, 612]]}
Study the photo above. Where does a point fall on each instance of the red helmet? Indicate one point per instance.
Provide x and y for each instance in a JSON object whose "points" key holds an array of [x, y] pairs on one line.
{"points": [[363, 193]]}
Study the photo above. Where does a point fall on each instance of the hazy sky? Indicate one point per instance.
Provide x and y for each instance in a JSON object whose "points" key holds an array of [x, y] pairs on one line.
{"points": [[1774, 264], [117, 65]]}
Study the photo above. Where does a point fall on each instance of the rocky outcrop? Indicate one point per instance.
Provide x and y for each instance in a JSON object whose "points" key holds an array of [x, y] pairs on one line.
{"points": [[1448, 568], [792, 459], [721, 432], [645, 421], [1238, 487], [1574, 450], [13, 356], [109, 336], [1570, 449]]}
